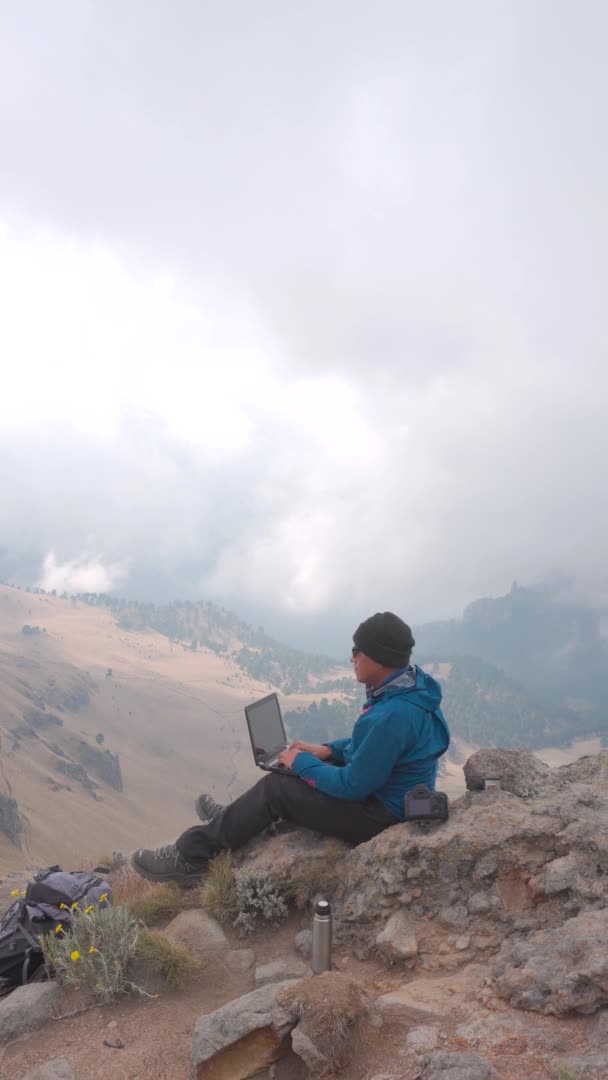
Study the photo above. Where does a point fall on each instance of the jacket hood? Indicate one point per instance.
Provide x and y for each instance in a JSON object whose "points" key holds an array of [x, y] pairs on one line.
{"points": [[421, 689]]}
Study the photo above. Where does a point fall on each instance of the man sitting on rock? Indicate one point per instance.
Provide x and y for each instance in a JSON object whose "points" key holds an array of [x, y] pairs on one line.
{"points": [[352, 788]]}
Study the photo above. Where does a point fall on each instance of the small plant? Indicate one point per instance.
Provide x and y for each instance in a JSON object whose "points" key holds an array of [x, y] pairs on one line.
{"points": [[241, 896], [92, 952], [318, 874], [147, 902], [218, 894], [167, 959], [160, 903], [566, 1072], [257, 895], [331, 1009]]}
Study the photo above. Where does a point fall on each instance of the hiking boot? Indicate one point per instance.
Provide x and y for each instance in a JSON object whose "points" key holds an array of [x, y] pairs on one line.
{"points": [[166, 864], [207, 808]]}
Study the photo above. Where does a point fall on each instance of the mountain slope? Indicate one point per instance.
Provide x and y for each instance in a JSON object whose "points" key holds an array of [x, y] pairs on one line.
{"points": [[173, 717]]}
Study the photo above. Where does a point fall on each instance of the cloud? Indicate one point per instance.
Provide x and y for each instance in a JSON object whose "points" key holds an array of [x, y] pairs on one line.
{"points": [[305, 321], [86, 574]]}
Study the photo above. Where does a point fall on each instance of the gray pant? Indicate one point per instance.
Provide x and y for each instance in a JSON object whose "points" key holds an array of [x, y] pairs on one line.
{"points": [[287, 798]]}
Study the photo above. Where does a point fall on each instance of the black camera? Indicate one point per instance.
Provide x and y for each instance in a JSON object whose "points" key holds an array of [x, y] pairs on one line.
{"points": [[422, 804]]}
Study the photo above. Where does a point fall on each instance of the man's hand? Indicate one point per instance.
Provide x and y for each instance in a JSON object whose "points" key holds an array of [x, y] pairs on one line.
{"points": [[286, 756], [322, 752]]}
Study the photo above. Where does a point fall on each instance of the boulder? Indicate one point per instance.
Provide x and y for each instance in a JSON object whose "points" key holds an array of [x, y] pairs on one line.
{"points": [[502, 865], [303, 943], [557, 971], [398, 939], [424, 998], [422, 1039], [242, 1037], [279, 970], [450, 1065], [54, 1069], [520, 771], [303, 1046], [198, 932], [27, 1008], [583, 1065], [280, 856]]}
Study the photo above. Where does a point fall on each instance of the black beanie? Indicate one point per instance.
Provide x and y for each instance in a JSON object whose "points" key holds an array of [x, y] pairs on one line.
{"points": [[385, 638]]}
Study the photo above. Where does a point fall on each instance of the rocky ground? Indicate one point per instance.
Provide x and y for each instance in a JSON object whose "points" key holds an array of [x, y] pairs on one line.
{"points": [[470, 950]]}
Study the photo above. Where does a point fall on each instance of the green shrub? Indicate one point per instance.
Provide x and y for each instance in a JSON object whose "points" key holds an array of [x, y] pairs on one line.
{"points": [[241, 896], [92, 954], [167, 959], [257, 895]]}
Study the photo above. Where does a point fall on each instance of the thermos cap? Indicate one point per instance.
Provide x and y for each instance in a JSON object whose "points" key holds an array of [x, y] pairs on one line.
{"points": [[322, 907]]}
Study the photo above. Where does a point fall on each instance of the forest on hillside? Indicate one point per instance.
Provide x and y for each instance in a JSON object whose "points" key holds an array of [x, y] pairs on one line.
{"points": [[483, 704], [203, 624]]}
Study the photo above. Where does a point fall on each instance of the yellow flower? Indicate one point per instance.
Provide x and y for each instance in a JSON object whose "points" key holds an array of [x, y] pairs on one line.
{"points": [[63, 906], [75, 955], [87, 909], [59, 928], [91, 949], [75, 904], [14, 892], [104, 896]]}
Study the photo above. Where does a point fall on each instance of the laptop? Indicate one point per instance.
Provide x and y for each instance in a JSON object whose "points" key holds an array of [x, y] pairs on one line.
{"points": [[267, 733]]}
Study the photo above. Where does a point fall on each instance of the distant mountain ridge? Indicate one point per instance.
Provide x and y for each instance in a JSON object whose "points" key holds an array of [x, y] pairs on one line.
{"points": [[522, 669], [553, 647]]}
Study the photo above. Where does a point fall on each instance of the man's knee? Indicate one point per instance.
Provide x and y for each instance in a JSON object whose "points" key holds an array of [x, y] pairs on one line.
{"points": [[277, 791]]}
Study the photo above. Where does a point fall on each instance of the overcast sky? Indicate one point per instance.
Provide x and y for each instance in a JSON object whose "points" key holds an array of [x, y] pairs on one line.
{"points": [[303, 305]]}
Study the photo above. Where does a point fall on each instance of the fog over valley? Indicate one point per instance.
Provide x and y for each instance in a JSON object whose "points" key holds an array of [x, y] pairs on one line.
{"points": [[301, 310]]}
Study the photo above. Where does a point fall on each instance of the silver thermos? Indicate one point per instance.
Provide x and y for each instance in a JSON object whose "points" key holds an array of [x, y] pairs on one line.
{"points": [[321, 938]]}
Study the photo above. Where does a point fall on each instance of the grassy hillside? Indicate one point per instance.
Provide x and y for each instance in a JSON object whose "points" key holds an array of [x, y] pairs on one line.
{"points": [[107, 735]]}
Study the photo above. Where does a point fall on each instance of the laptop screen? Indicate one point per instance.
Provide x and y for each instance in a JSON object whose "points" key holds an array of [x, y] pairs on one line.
{"points": [[265, 726]]}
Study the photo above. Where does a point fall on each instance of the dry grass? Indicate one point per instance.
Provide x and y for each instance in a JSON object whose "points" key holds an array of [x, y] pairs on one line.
{"points": [[330, 1007], [167, 959], [218, 893], [147, 902], [317, 874]]}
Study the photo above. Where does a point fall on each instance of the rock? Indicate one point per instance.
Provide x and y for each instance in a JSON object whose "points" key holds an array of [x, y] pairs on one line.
{"points": [[559, 875], [424, 998], [303, 1046], [479, 903], [303, 943], [582, 1065], [198, 932], [27, 1008], [557, 971], [422, 1039], [54, 1069], [11, 821], [240, 961], [100, 761], [398, 940], [520, 772], [462, 942], [484, 871], [282, 854], [242, 1037], [279, 970], [455, 917], [449, 1065]]}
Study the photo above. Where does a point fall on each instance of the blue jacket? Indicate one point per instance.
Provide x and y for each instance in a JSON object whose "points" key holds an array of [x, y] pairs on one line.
{"points": [[394, 745]]}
